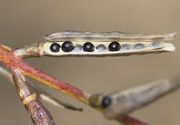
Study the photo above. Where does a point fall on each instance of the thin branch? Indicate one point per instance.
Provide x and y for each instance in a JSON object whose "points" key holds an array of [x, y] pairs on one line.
{"points": [[42, 94], [39, 114], [5, 73], [128, 120]]}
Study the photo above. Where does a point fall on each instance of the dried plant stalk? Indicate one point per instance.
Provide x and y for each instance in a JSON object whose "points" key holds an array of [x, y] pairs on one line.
{"points": [[39, 114]]}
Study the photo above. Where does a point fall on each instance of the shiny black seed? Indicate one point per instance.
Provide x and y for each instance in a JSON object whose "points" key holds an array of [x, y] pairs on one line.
{"points": [[67, 46], [55, 47], [89, 47], [106, 101], [114, 46]]}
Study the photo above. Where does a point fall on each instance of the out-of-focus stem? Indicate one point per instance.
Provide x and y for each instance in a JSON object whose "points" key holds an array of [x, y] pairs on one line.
{"points": [[128, 120], [118, 104], [39, 114], [42, 94]]}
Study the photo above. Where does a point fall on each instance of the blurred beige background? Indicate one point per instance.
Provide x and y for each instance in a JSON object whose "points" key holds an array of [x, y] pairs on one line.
{"points": [[25, 22]]}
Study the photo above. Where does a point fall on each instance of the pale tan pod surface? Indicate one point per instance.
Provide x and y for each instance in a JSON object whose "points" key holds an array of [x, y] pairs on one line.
{"points": [[130, 43]]}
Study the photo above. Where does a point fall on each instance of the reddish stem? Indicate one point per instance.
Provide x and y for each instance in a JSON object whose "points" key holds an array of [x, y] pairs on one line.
{"points": [[128, 120]]}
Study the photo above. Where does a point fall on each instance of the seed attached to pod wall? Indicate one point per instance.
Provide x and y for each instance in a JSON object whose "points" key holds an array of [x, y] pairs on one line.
{"points": [[55, 47], [78, 47], [88, 47], [114, 46], [106, 101], [139, 46], [67, 46], [101, 47]]}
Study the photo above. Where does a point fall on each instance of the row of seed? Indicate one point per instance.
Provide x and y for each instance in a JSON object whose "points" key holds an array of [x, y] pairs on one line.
{"points": [[68, 46]]}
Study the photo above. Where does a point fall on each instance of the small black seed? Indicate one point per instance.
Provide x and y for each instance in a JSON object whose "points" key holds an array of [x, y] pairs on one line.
{"points": [[88, 47], [114, 46], [106, 101], [67, 46], [55, 47]]}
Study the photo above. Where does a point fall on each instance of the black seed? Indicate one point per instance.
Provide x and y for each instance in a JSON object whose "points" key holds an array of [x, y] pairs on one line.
{"points": [[55, 47], [114, 46], [67, 46], [89, 47], [106, 101]]}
